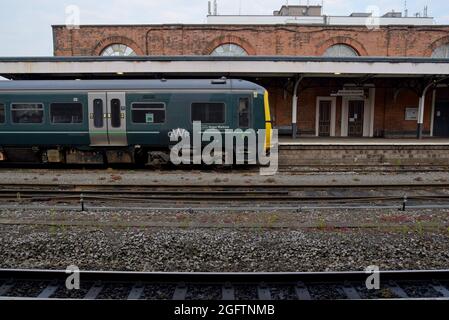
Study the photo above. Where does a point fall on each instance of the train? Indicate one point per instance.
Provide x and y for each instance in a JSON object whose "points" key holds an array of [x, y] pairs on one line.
{"points": [[120, 121]]}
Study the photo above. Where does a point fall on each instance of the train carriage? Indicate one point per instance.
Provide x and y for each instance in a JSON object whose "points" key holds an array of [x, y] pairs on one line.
{"points": [[119, 121]]}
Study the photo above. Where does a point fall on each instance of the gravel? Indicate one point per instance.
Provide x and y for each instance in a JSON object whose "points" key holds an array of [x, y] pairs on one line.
{"points": [[218, 249]]}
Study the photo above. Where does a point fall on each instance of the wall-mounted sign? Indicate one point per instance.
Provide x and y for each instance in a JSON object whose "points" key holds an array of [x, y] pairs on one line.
{"points": [[411, 113], [349, 93]]}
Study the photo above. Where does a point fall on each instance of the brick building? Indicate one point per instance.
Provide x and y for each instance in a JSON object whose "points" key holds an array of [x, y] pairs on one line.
{"points": [[331, 105]]}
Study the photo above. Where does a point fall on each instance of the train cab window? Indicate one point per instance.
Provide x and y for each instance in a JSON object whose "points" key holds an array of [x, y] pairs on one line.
{"points": [[208, 112], [27, 112], [116, 120], [98, 113], [2, 113], [244, 113], [148, 113], [66, 113]]}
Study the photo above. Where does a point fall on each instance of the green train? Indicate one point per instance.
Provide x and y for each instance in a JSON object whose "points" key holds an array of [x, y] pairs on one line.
{"points": [[119, 121]]}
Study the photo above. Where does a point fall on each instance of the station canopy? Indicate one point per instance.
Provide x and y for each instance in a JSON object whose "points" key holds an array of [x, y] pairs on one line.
{"points": [[35, 68]]}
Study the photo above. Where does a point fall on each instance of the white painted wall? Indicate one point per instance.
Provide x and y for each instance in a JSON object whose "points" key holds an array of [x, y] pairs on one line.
{"points": [[320, 20]]}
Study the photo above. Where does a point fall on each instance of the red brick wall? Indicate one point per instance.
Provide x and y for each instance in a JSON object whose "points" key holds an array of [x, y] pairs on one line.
{"points": [[257, 40], [389, 115], [396, 107], [389, 109]]}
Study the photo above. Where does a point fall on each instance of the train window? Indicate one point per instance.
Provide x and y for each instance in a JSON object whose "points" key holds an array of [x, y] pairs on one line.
{"points": [[244, 113], [208, 112], [66, 113], [2, 113], [148, 113], [27, 112], [98, 113], [116, 120]]}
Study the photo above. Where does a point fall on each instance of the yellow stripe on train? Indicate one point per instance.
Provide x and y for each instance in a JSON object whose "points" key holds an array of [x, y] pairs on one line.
{"points": [[268, 126]]}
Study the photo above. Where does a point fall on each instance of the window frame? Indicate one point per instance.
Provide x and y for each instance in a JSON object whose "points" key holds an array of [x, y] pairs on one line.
{"points": [[34, 123], [444, 47], [209, 102], [341, 45], [244, 52], [103, 109], [149, 103], [57, 123], [249, 112], [120, 120], [3, 105], [120, 45]]}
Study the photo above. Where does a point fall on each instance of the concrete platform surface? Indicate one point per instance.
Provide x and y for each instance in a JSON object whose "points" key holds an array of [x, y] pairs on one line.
{"points": [[317, 141], [212, 178]]}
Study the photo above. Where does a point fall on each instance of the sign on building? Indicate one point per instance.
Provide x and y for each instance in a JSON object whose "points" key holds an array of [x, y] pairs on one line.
{"points": [[411, 113]]}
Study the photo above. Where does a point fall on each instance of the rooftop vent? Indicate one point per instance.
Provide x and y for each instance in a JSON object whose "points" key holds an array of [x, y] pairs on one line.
{"points": [[361, 14], [392, 14], [299, 11]]}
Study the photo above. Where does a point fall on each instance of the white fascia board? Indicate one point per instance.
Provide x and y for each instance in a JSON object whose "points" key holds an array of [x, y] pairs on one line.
{"points": [[225, 67]]}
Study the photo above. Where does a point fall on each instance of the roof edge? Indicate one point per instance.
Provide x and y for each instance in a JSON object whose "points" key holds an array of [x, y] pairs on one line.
{"points": [[364, 59]]}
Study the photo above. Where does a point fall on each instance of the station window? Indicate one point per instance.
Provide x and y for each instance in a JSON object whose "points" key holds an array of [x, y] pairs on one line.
{"points": [[2, 113], [27, 112], [244, 113], [66, 113], [148, 113], [209, 112]]}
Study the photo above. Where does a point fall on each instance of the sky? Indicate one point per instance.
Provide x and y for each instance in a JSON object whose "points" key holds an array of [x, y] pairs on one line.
{"points": [[25, 25]]}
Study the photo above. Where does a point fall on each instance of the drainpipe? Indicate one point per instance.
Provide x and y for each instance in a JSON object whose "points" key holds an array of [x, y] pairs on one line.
{"points": [[295, 108], [422, 101]]}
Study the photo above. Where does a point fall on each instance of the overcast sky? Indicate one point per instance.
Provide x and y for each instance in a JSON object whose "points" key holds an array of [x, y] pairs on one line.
{"points": [[25, 25]]}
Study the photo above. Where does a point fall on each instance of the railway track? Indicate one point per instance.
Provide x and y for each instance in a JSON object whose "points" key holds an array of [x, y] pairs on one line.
{"points": [[272, 193], [285, 169], [50, 284]]}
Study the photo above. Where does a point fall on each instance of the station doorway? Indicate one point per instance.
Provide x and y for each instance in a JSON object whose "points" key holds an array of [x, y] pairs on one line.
{"points": [[441, 119]]}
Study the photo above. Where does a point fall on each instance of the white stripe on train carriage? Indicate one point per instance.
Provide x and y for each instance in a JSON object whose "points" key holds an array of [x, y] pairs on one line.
{"points": [[59, 132], [75, 132]]}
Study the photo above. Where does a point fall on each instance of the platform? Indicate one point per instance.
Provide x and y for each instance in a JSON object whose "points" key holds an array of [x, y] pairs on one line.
{"points": [[363, 151], [319, 141]]}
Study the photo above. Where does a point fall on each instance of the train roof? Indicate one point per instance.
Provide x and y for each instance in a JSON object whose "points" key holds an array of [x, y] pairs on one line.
{"points": [[113, 85]]}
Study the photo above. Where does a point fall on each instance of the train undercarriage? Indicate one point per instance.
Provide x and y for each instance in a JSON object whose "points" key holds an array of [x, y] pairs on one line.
{"points": [[105, 156], [64, 155]]}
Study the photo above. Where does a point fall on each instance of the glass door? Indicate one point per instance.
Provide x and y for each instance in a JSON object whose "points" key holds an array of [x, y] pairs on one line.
{"points": [[98, 125], [355, 118], [117, 119], [107, 119]]}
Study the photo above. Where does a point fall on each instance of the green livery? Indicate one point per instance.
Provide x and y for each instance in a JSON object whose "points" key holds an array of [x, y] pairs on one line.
{"points": [[116, 117]]}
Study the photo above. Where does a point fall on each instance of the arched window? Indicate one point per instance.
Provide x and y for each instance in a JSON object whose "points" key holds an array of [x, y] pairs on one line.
{"points": [[441, 52], [118, 50], [230, 50], [340, 50]]}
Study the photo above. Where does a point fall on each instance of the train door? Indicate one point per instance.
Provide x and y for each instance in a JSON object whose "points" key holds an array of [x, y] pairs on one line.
{"points": [[107, 119], [98, 126], [117, 119]]}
